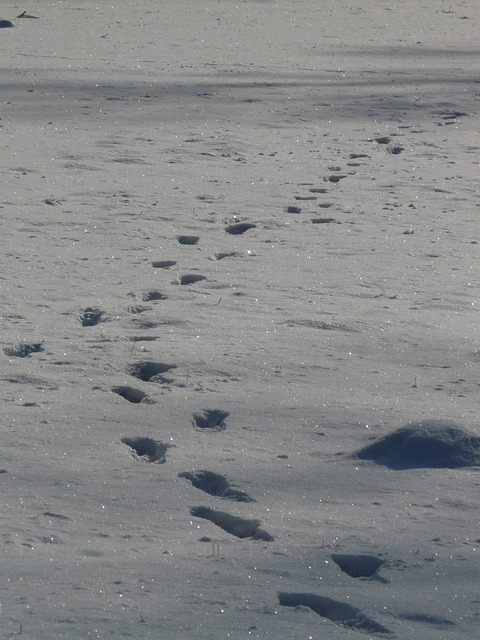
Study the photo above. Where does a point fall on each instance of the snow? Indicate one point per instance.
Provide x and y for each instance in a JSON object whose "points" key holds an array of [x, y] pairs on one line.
{"points": [[239, 319]]}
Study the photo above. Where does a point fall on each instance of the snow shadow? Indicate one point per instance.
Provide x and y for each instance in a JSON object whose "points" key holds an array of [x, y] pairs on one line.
{"points": [[147, 449], [136, 396], [239, 228], [238, 527], [339, 612], [150, 371], [91, 316], [23, 350], [435, 444], [359, 566], [215, 485], [211, 419]]}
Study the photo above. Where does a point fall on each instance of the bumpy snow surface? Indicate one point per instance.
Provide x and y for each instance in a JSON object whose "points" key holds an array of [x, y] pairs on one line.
{"points": [[240, 358], [425, 444]]}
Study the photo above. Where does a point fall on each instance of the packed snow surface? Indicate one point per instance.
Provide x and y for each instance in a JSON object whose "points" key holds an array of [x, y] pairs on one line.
{"points": [[239, 319]]}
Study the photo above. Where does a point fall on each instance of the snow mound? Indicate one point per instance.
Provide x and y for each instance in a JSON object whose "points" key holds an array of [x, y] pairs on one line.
{"points": [[430, 443]]}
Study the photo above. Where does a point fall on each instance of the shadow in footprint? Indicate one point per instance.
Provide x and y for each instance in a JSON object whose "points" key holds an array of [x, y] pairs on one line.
{"points": [[211, 419], [238, 527], [190, 278], [339, 612], [215, 485], [91, 316], [163, 264], [147, 449], [150, 371], [359, 566], [151, 296], [23, 350], [188, 239], [239, 227], [136, 396]]}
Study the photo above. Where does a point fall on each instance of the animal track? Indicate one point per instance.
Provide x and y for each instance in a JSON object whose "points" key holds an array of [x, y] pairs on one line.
{"points": [[151, 371], [339, 612], [239, 227], [23, 350], [215, 485], [132, 395], [91, 316], [238, 527], [211, 419], [358, 566], [147, 449], [190, 278]]}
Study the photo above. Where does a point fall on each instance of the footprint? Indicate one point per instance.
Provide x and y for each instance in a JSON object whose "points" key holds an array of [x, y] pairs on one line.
{"points": [[383, 140], [359, 566], [292, 209], [220, 255], [322, 220], [163, 264], [136, 396], [215, 485], [238, 527], [151, 296], [318, 190], [147, 449], [395, 150], [211, 419], [92, 316], [188, 239], [23, 350], [239, 227], [190, 278], [150, 371], [335, 178], [339, 612]]}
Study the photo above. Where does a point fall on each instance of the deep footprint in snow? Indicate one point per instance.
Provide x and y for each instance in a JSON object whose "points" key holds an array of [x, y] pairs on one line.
{"points": [[215, 485], [436, 444], [151, 371], [238, 527], [211, 419], [189, 240], [191, 278], [339, 612], [334, 178], [239, 228], [23, 350], [359, 565], [152, 296], [163, 264], [136, 396], [147, 449], [91, 316]]}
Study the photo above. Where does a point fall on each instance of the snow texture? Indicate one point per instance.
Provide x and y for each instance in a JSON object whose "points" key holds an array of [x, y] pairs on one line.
{"points": [[239, 354]]}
